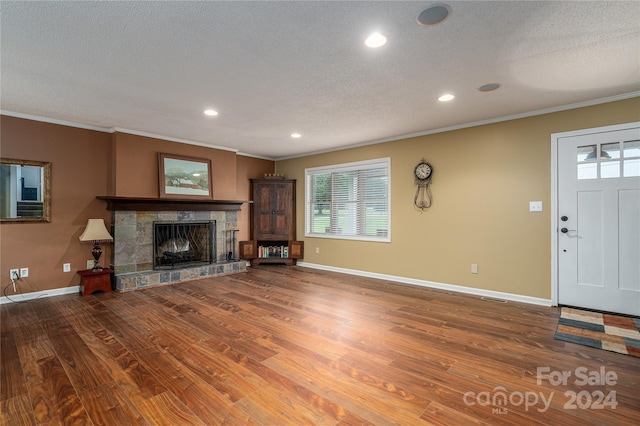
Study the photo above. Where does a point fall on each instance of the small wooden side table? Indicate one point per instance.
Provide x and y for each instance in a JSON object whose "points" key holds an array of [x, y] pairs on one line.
{"points": [[93, 281]]}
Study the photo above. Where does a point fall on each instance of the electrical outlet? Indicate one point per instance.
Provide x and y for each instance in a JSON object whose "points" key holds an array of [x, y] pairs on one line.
{"points": [[14, 274], [24, 272], [90, 263], [66, 267], [474, 268], [317, 250]]}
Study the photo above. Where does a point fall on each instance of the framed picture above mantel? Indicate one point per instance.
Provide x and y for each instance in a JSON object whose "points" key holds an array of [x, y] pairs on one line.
{"points": [[184, 177]]}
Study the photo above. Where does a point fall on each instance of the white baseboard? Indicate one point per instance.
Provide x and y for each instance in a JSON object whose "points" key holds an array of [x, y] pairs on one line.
{"points": [[39, 294], [431, 284]]}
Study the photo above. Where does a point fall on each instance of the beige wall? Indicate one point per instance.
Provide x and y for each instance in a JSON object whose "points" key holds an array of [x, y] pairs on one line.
{"points": [[86, 164], [484, 178]]}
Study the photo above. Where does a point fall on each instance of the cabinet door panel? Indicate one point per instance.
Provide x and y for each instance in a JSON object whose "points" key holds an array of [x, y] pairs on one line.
{"points": [[263, 224], [280, 210], [248, 250], [282, 197], [281, 226], [263, 196], [283, 203], [296, 249]]}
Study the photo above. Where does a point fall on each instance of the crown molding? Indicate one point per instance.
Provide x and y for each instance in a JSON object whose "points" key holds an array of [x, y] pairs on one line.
{"points": [[55, 121], [341, 148], [171, 139], [475, 124]]}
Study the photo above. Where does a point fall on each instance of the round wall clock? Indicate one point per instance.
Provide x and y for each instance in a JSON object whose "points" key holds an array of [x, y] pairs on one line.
{"points": [[422, 174]]}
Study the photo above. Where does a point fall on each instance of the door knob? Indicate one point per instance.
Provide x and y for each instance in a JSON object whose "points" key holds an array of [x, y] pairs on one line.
{"points": [[565, 230]]}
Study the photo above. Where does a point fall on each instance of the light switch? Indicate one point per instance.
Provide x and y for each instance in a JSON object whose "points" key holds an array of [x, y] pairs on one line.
{"points": [[535, 206]]}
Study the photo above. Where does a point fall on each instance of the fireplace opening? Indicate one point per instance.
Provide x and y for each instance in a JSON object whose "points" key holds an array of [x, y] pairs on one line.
{"points": [[183, 244]]}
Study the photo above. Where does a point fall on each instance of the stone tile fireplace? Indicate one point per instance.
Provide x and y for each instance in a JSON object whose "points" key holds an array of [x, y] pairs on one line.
{"points": [[133, 254]]}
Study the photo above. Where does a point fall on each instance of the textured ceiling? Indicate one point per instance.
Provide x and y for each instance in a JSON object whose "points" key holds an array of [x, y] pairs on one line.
{"points": [[274, 68]]}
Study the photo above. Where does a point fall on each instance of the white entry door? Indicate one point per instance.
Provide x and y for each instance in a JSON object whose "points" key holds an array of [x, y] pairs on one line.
{"points": [[598, 233]]}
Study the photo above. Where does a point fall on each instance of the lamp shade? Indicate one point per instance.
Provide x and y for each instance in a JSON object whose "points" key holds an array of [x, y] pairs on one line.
{"points": [[96, 231]]}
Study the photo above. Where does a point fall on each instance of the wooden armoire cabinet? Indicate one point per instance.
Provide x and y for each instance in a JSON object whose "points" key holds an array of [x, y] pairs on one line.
{"points": [[273, 223]]}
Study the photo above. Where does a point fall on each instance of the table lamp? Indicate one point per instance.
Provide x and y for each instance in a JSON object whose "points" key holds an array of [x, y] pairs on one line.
{"points": [[96, 233]]}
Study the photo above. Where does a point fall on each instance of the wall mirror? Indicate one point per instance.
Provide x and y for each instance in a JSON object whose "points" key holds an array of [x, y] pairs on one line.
{"points": [[25, 191]]}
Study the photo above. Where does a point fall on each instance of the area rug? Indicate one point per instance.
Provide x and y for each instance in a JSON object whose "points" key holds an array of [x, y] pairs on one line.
{"points": [[615, 333]]}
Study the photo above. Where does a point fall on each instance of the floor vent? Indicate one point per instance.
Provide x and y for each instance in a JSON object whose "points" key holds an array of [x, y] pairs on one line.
{"points": [[491, 299]]}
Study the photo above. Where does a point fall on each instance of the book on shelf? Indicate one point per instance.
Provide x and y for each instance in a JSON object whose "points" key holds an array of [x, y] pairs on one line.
{"points": [[273, 251]]}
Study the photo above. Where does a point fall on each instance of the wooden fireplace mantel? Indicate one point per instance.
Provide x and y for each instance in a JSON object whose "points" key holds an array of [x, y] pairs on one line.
{"points": [[115, 203]]}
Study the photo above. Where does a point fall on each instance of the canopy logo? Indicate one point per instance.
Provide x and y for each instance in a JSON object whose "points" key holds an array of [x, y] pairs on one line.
{"points": [[499, 398]]}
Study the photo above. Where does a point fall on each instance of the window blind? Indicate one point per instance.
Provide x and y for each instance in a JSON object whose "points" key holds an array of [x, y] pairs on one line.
{"points": [[349, 200]]}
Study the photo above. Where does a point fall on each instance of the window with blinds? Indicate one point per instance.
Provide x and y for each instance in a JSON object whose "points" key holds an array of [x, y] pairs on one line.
{"points": [[350, 201]]}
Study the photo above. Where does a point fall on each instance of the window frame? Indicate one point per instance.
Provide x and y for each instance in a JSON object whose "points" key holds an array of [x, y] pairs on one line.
{"points": [[378, 163]]}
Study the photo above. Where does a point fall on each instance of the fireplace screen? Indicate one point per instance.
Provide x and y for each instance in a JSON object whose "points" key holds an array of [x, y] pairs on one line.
{"points": [[183, 244]]}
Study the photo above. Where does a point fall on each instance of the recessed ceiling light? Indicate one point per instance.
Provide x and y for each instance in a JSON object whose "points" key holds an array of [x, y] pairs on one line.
{"points": [[210, 112], [489, 87], [375, 40], [296, 135], [446, 97], [434, 15]]}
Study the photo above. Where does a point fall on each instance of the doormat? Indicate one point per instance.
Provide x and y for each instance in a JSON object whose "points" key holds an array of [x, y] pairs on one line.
{"points": [[615, 333]]}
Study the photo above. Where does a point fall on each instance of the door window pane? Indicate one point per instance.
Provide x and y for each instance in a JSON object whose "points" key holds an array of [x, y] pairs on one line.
{"points": [[631, 149], [632, 167], [588, 171], [610, 169], [587, 153], [631, 156], [610, 151]]}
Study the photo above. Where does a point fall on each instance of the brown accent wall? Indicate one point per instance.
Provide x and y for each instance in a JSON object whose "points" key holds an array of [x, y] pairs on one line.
{"points": [[80, 162], [136, 165], [88, 163]]}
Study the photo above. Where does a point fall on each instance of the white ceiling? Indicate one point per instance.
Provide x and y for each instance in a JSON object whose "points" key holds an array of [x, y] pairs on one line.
{"points": [[271, 68]]}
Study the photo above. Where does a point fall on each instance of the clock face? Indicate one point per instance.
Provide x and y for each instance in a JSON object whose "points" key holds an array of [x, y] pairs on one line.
{"points": [[423, 171]]}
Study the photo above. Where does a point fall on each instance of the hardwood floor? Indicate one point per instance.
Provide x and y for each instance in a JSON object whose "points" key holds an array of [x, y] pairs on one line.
{"points": [[289, 345]]}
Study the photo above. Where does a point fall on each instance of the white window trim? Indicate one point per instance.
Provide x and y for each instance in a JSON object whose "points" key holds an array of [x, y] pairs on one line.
{"points": [[357, 165]]}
